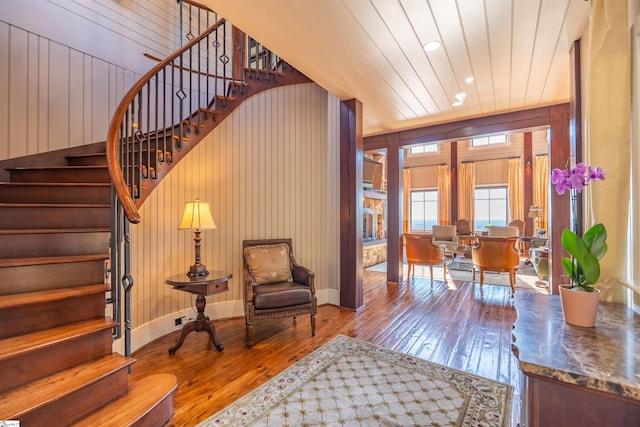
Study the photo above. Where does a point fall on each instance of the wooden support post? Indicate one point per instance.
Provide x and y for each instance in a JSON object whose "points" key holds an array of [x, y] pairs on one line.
{"points": [[351, 199]]}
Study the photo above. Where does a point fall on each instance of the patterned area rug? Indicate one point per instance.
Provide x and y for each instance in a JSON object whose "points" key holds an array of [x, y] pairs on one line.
{"points": [[348, 382]]}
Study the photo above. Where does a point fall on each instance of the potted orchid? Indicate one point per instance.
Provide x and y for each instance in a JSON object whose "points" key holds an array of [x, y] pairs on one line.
{"points": [[586, 251]]}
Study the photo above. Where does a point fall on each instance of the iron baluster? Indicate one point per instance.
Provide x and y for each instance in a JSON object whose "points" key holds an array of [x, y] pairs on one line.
{"points": [[127, 284]]}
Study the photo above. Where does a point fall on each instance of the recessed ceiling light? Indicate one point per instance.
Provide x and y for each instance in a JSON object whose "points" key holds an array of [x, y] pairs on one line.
{"points": [[461, 96], [469, 80], [432, 45], [457, 103]]}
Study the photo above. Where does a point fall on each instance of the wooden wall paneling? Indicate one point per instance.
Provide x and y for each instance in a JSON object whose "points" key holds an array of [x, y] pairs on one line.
{"points": [[76, 113], [5, 111], [492, 172], [351, 152], [31, 93], [58, 96], [44, 118], [291, 135], [18, 102], [423, 177], [88, 96]]}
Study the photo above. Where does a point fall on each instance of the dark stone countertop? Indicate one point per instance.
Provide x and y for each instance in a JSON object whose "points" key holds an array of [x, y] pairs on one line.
{"points": [[605, 358]]}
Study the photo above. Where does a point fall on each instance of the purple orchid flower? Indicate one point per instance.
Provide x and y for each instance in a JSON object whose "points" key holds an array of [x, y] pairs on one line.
{"points": [[596, 174], [576, 178]]}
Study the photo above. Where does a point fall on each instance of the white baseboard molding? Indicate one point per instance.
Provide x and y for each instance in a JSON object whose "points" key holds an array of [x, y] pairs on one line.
{"points": [[162, 326]]}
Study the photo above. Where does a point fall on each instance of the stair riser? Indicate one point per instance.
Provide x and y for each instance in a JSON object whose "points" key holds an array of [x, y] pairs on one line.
{"points": [[75, 406], [20, 320], [96, 160], [33, 278], [46, 217], [159, 415], [53, 194], [39, 363], [53, 244], [61, 175]]}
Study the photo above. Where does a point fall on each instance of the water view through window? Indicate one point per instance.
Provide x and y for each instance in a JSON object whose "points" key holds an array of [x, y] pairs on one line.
{"points": [[424, 210], [491, 206]]}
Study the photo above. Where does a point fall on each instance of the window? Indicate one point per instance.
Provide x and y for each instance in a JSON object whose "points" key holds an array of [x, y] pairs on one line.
{"points": [[424, 148], [424, 209], [491, 206], [500, 138]]}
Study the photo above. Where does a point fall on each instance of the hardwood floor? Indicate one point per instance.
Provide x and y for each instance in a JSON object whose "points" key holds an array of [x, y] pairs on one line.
{"points": [[453, 324]]}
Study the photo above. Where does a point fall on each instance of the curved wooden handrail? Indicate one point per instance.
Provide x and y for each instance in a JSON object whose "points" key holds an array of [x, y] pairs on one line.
{"points": [[197, 4], [113, 164]]}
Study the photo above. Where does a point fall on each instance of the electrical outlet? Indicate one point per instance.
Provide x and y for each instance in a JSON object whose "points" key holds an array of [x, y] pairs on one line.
{"points": [[178, 321]]}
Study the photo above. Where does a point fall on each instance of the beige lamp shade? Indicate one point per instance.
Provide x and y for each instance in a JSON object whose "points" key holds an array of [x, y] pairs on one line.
{"points": [[197, 216], [535, 211]]}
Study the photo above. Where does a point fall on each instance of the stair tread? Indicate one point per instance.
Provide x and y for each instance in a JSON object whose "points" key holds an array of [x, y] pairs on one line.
{"points": [[15, 346], [55, 230], [57, 167], [142, 397], [21, 300], [55, 205], [55, 184], [39, 392], [17, 262]]}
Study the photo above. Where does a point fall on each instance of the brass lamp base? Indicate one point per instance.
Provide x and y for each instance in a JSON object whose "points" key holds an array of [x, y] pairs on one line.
{"points": [[198, 270]]}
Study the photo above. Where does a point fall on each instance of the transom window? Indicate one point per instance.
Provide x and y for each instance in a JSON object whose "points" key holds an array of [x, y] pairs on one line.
{"points": [[479, 141], [423, 209], [491, 206], [424, 148]]}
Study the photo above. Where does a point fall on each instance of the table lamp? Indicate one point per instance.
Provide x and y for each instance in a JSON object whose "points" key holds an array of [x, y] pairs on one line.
{"points": [[535, 212], [197, 216]]}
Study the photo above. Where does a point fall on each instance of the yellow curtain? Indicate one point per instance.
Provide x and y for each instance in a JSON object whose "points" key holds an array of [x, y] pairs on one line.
{"points": [[515, 189], [607, 94], [444, 195], [466, 188], [540, 190], [406, 192]]}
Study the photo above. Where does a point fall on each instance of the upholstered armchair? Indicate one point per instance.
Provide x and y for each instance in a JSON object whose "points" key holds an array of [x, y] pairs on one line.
{"points": [[502, 231], [275, 285], [498, 254], [445, 235], [420, 249], [463, 228], [520, 225]]}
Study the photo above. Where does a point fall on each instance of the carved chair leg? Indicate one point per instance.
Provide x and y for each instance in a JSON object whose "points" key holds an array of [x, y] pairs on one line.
{"points": [[249, 335], [512, 281], [313, 325]]}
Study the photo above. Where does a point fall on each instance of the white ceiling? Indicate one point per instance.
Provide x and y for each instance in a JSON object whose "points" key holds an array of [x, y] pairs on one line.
{"points": [[516, 50]]}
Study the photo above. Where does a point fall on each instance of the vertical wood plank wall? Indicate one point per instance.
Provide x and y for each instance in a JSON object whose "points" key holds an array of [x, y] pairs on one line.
{"points": [[269, 170], [64, 67], [489, 171]]}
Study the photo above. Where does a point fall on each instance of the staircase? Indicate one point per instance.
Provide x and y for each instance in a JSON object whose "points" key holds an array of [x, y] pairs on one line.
{"points": [[56, 355], [59, 229]]}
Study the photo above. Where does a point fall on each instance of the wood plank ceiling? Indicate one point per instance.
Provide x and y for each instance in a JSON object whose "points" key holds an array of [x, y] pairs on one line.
{"points": [[517, 52]]}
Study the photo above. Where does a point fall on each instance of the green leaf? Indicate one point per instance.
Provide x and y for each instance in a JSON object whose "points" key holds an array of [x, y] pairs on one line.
{"points": [[586, 252], [595, 238]]}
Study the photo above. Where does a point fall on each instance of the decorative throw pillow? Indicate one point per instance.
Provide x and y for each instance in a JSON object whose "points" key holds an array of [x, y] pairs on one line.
{"points": [[269, 263]]}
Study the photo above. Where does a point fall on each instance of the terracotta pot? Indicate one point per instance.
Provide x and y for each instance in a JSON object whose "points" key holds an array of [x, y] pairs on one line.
{"points": [[579, 308]]}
